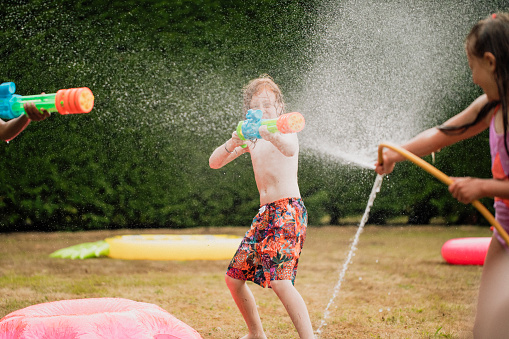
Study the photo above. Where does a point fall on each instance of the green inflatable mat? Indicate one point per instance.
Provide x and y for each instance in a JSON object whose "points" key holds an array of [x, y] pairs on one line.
{"points": [[83, 251]]}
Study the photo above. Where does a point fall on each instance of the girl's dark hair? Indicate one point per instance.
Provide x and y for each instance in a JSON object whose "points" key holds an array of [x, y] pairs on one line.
{"points": [[490, 35]]}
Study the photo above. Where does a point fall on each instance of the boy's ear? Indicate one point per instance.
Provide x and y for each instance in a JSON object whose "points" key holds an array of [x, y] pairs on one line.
{"points": [[490, 61]]}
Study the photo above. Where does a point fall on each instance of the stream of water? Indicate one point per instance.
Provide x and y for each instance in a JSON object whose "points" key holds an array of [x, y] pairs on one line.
{"points": [[351, 253]]}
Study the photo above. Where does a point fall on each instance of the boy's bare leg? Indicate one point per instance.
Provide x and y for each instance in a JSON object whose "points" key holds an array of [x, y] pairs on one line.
{"points": [[493, 304], [245, 301], [295, 306]]}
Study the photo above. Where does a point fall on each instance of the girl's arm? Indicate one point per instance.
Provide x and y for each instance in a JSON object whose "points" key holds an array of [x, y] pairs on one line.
{"points": [[227, 152], [10, 129], [433, 139], [287, 144]]}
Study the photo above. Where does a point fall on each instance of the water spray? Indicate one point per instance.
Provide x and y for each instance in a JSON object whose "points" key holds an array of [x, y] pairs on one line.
{"points": [[351, 253], [376, 67]]}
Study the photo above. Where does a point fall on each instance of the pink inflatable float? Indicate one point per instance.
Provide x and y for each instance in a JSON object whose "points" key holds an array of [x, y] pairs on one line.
{"points": [[94, 318], [466, 251]]}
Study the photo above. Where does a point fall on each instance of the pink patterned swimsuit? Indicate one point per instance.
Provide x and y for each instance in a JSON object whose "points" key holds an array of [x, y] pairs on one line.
{"points": [[500, 170]]}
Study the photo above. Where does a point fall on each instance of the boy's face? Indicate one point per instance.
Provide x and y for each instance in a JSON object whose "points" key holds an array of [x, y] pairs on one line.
{"points": [[265, 100]]}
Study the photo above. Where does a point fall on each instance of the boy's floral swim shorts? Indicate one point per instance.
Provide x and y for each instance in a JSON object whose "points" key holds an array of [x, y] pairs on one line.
{"points": [[271, 249]]}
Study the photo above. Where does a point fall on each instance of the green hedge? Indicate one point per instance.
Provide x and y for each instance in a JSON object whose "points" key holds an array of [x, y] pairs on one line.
{"points": [[167, 77]]}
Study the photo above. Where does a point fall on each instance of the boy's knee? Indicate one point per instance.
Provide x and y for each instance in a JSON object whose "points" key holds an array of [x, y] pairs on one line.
{"points": [[227, 279], [278, 285], [232, 282]]}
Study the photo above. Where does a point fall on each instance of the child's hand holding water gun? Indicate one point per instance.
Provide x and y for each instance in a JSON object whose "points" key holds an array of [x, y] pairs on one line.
{"points": [[33, 113], [234, 142], [23, 109], [285, 123], [254, 127]]}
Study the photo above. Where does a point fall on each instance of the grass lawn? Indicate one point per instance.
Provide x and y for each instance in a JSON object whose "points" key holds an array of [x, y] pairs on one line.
{"points": [[397, 286]]}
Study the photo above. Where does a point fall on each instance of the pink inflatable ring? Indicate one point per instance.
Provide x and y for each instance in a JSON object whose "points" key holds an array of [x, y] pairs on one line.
{"points": [[94, 318], [466, 251]]}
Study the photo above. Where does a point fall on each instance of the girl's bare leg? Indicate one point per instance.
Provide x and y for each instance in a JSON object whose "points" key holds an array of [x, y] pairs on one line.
{"points": [[493, 301], [295, 306], [245, 301]]}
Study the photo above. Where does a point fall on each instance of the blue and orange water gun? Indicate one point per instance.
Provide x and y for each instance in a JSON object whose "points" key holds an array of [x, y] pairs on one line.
{"points": [[65, 101], [286, 123]]}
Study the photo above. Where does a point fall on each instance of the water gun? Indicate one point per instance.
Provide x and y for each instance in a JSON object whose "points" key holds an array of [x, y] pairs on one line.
{"points": [[65, 101], [285, 123]]}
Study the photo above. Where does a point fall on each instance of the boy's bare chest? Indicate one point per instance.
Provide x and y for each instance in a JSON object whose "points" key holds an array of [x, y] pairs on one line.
{"points": [[264, 152], [268, 162]]}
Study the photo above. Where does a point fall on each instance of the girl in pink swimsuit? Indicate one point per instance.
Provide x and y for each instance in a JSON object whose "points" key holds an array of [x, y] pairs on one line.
{"points": [[487, 47], [500, 171]]}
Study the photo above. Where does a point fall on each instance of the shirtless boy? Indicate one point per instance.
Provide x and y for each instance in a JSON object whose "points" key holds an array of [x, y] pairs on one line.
{"points": [[270, 251]]}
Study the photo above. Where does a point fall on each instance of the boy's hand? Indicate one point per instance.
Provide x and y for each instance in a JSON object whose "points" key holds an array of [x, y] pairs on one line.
{"points": [[234, 142], [33, 113], [265, 134]]}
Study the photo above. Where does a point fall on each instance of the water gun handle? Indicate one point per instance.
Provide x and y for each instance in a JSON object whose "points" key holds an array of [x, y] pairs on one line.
{"points": [[286, 123], [65, 101]]}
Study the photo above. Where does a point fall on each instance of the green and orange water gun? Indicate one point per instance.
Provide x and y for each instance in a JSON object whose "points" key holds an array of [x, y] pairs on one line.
{"points": [[286, 123], [65, 101]]}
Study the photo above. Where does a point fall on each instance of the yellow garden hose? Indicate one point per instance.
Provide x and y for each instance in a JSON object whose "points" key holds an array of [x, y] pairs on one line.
{"points": [[443, 178]]}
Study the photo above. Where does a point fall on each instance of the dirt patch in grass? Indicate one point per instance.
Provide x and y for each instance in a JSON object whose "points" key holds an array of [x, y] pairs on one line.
{"points": [[398, 285]]}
